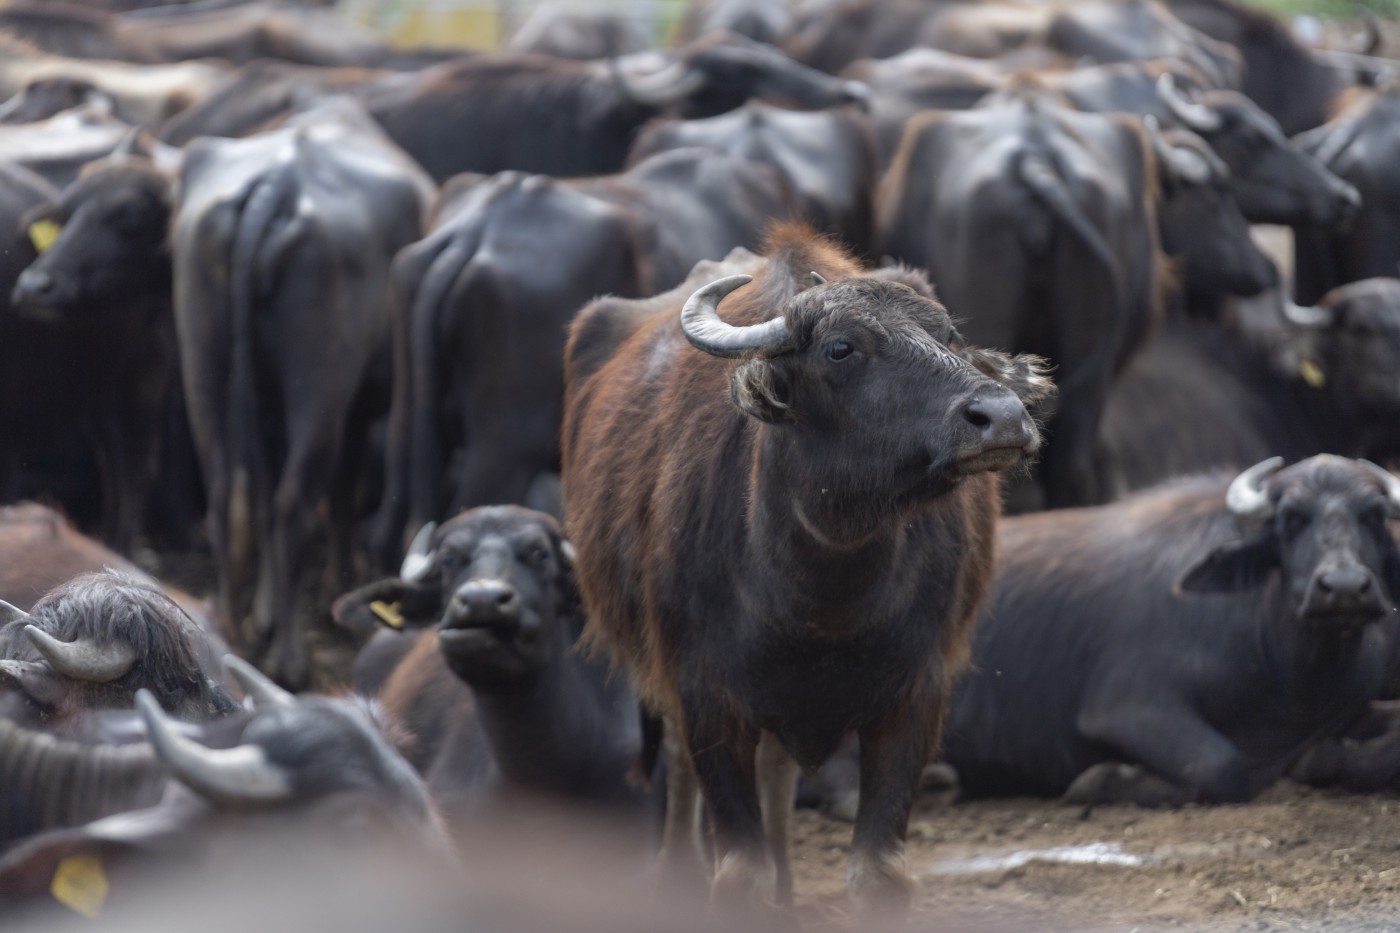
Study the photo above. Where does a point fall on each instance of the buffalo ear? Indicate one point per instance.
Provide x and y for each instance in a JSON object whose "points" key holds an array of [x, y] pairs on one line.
{"points": [[394, 603], [1239, 565], [1025, 374], [758, 389]]}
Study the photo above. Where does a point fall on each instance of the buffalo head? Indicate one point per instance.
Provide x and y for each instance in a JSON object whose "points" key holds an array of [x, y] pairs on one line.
{"points": [[1274, 180], [97, 639], [870, 382], [498, 581], [1322, 526], [103, 243]]}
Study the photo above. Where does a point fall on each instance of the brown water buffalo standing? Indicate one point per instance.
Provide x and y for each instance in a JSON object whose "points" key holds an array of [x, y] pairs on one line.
{"points": [[1039, 225], [539, 114], [1361, 145], [791, 547], [828, 158], [282, 250], [483, 303], [1204, 633]]}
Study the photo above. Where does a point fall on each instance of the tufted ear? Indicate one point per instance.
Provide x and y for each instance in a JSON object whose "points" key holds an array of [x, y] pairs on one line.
{"points": [[1239, 565], [393, 603], [1025, 374], [758, 388]]}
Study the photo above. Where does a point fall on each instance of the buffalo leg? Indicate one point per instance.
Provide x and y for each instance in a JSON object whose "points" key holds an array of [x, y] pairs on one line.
{"points": [[777, 785], [681, 861], [893, 753], [1362, 766], [724, 759], [1115, 782], [1173, 741]]}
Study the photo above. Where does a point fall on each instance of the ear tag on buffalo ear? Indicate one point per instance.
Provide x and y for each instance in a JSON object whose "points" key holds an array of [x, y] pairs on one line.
{"points": [[80, 884], [388, 613], [42, 234], [1312, 373]]}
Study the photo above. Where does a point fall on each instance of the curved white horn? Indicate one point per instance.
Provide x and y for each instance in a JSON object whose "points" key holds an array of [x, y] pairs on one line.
{"points": [[1391, 483], [418, 559], [1182, 162], [670, 85], [231, 776], [11, 613], [1310, 317], [83, 659], [256, 684], [1246, 497], [1196, 116], [818, 279], [702, 326]]}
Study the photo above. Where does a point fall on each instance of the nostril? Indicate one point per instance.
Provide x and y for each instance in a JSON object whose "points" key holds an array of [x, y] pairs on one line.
{"points": [[976, 416], [505, 598]]}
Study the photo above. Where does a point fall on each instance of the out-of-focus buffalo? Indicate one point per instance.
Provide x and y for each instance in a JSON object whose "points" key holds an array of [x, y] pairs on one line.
{"points": [[1183, 645]]}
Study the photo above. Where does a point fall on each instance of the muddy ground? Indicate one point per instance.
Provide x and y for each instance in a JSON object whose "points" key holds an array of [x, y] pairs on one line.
{"points": [[1294, 859]]}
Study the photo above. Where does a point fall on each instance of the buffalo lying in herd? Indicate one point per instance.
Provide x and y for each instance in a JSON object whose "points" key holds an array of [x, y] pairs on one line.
{"points": [[644, 418]]}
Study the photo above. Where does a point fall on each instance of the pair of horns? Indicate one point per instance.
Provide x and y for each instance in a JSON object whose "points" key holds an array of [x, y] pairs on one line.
{"points": [[1246, 496], [701, 324], [83, 659], [241, 776]]}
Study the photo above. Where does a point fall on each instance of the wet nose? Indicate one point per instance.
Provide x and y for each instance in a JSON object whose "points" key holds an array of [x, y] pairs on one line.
{"points": [[34, 285], [1348, 581], [486, 601], [1000, 420]]}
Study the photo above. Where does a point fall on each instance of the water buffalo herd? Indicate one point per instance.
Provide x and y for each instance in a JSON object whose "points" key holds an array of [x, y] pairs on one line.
{"points": [[640, 417]]}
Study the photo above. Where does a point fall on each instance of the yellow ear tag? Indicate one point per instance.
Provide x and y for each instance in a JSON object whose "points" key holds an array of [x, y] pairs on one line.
{"points": [[388, 613], [80, 884], [42, 234], [1312, 373]]}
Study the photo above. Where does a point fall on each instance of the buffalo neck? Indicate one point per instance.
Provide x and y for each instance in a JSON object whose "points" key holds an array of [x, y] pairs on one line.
{"points": [[552, 733]]}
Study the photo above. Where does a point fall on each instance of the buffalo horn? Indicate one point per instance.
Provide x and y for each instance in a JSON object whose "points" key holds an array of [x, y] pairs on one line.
{"points": [[818, 279], [1309, 317], [1368, 41], [11, 613], [418, 559], [1246, 497], [703, 328], [670, 85], [255, 683], [83, 659], [1391, 483], [232, 776], [1180, 161], [1196, 116]]}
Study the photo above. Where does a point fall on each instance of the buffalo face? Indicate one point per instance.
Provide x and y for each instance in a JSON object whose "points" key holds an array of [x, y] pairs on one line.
{"points": [[868, 382], [499, 582], [736, 69], [1322, 526], [111, 243], [1363, 345]]}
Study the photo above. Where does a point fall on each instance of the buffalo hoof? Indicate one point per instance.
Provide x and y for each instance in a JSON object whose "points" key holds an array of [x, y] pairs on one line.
{"points": [[745, 883], [879, 885], [1114, 782]]}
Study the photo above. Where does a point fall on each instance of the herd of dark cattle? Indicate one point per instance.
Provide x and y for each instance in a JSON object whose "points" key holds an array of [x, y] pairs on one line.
{"points": [[656, 386]]}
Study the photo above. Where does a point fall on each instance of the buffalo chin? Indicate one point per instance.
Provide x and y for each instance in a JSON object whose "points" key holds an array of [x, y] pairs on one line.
{"points": [[481, 652], [995, 460]]}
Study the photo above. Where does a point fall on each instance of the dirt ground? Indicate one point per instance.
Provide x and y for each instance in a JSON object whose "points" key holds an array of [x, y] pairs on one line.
{"points": [[1294, 859]]}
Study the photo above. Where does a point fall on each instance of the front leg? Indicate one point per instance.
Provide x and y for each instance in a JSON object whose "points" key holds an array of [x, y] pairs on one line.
{"points": [[1361, 765], [1171, 740], [723, 756], [893, 753], [777, 782]]}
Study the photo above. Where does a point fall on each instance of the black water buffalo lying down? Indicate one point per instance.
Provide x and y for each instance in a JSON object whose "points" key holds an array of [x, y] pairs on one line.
{"points": [[557, 117], [838, 481], [1296, 383], [827, 157], [1362, 145], [1203, 633], [484, 299], [98, 297], [282, 245], [1038, 224], [307, 773], [500, 705]]}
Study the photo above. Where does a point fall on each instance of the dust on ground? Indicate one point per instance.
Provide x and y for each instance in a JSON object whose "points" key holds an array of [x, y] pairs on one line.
{"points": [[1295, 858]]}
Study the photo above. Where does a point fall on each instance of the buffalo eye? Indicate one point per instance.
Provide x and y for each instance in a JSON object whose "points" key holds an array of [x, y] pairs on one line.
{"points": [[537, 554], [838, 350], [1294, 520], [1375, 515]]}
